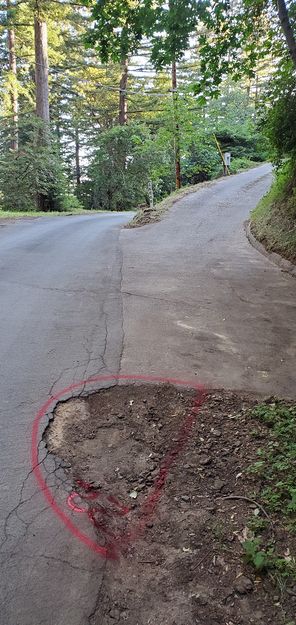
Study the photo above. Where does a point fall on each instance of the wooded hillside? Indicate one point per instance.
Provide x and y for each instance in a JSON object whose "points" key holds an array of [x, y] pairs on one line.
{"points": [[101, 98]]}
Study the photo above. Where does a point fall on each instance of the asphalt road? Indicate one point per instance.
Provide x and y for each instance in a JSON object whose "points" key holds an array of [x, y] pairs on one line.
{"points": [[201, 302], [60, 322], [185, 297]]}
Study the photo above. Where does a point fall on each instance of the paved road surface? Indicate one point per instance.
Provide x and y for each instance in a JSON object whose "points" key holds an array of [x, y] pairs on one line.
{"points": [[60, 321], [200, 302], [197, 299]]}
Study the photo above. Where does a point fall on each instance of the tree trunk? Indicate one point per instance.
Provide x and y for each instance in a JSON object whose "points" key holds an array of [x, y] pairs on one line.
{"points": [[122, 93], [287, 28], [41, 69], [44, 202], [77, 158], [177, 127], [13, 86]]}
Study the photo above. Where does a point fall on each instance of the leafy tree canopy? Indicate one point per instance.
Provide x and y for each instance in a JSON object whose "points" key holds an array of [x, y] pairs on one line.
{"points": [[121, 25]]}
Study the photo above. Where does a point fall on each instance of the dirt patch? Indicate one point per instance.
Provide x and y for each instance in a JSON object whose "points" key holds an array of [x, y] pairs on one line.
{"points": [[160, 486]]}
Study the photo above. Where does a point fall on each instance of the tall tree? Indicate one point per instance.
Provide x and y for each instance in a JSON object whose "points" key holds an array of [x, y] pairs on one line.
{"points": [[13, 76], [41, 65], [120, 27], [176, 126], [122, 92]]}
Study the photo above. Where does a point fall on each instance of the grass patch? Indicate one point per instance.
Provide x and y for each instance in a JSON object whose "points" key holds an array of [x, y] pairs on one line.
{"points": [[34, 214], [276, 463], [265, 549], [273, 220]]}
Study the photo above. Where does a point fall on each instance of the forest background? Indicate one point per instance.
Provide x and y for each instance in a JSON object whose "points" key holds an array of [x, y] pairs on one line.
{"points": [[101, 100]]}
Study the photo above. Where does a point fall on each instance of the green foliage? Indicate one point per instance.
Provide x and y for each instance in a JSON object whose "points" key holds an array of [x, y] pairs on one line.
{"points": [[71, 203], [120, 26], [273, 220], [126, 159], [265, 560], [237, 37], [202, 162], [279, 121], [277, 461], [84, 102], [34, 170], [254, 555], [239, 164]]}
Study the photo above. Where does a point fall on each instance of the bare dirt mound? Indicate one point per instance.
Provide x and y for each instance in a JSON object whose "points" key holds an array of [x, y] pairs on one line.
{"points": [[163, 481]]}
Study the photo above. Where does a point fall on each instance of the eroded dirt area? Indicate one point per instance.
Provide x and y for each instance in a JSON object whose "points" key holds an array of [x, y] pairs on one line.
{"points": [[160, 483]]}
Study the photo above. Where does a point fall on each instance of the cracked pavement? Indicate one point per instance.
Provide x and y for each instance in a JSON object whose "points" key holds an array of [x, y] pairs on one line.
{"points": [[60, 322], [187, 297]]}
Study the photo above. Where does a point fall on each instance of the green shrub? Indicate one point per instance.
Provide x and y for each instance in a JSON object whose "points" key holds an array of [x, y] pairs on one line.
{"points": [[274, 219], [33, 170], [126, 158]]}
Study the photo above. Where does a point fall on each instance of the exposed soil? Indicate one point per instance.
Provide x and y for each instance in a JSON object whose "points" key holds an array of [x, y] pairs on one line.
{"points": [[177, 536]]}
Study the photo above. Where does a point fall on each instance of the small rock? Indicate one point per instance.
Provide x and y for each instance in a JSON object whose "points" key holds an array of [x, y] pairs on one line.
{"points": [[243, 585], [115, 614], [216, 432], [204, 460], [201, 596], [185, 498], [150, 524], [259, 618], [218, 484]]}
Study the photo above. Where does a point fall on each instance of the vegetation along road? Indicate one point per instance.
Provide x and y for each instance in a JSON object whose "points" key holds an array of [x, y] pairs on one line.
{"points": [[185, 297]]}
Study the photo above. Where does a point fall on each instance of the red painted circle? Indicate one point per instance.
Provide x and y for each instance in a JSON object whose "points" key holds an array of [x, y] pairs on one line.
{"points": [[36, 466]]}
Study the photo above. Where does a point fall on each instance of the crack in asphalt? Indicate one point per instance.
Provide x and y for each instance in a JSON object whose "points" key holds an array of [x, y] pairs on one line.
{"points": [[19, 505], [19, 522], [168, 301], [54, 559], [48, 288]]}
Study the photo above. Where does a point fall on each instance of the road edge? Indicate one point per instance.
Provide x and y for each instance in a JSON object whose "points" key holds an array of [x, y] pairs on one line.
{"points": [[276, 259]]}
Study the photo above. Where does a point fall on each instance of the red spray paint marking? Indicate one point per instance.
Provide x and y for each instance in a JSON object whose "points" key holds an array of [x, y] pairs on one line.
{"points": [[148, 508]]}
